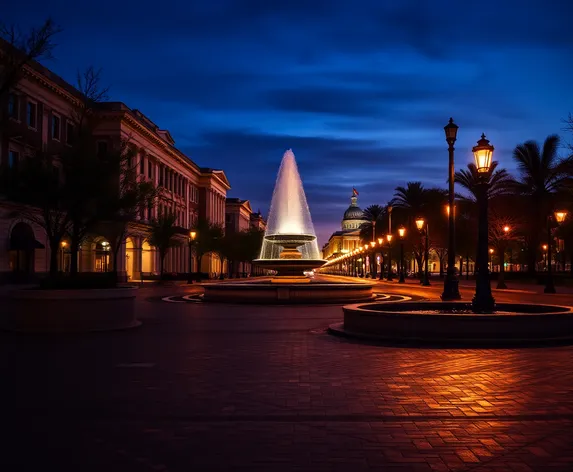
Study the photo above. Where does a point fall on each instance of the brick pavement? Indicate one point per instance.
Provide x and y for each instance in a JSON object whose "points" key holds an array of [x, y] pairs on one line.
{"points": [[214, 387]]}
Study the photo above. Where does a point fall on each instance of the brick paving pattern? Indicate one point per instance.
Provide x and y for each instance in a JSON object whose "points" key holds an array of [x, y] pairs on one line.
{"points": [[210, 387]]}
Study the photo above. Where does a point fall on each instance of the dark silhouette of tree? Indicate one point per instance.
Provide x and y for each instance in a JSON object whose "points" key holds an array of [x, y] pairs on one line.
{"points": [[162, 236], [544, 180], [121, 205], [20, 48], [377, 214], [500, 182], [209, 238]]}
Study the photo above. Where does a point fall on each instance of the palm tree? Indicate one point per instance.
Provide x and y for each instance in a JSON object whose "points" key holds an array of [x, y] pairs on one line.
{"points": [[543, 180], [162, 235], [411, 199], [500, 182], [375, 216]]}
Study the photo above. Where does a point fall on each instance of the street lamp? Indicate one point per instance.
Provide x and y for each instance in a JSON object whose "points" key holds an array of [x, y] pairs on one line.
{"points": [[192, 236], [380, 242], [483, 301], [451, 283], [389, 238], [491, 260], [501, 278], [422, 226], [401, 233], [559, 217], [372, 257]]}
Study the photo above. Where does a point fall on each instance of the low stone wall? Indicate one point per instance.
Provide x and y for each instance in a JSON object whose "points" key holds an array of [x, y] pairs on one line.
{"points": [[518, 323], [33, 310], [272, 293]]}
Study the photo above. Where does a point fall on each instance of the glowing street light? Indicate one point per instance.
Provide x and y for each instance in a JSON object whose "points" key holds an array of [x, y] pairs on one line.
{"points": [[192, 238], [389, 239], [422, 226], [402, 234], [483, 153]]}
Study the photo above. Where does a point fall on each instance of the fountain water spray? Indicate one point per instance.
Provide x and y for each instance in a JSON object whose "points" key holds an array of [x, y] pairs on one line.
{"points": [[289, 245]]}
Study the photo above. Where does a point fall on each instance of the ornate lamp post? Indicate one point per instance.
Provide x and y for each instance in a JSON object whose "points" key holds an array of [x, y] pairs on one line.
{"points": [[389, 238], [451, 284], [373, 260], [491, 259], [192, 236], [380, 241], [559, 217], [501, 278], [483, 301], [401, 233], [422, 226]]}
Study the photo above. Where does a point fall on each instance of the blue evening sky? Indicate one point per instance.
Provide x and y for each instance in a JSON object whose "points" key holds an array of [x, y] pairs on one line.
{"points": [[360, 90]]}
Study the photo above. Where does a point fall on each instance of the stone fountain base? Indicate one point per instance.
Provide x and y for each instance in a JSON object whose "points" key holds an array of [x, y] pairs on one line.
{"points": [[270, 292], [454, 323]]}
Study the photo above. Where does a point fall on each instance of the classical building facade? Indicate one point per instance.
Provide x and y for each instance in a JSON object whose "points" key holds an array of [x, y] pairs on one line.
{"points": [[39, 115], [348, 238]]}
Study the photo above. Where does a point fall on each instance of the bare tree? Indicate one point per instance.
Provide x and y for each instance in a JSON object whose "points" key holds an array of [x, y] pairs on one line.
{"points": [[18, 48]]}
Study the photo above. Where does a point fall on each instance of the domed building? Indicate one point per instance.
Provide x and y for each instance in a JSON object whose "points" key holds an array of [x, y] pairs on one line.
{"points": [[348, 239]]}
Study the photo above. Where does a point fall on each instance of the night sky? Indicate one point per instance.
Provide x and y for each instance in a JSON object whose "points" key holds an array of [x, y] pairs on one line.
{"points": [[360, 90]]}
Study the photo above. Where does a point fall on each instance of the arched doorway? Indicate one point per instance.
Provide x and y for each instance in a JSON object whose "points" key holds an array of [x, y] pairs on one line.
{"points": [[22, 250], [129, 257], [147, 254], [102, 256]]}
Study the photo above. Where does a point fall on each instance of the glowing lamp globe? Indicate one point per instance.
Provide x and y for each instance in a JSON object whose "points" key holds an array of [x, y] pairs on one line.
{"points": [[380, 241], [402, 231], [389, 237], [560, 216], [420, 223], [483, 153]]}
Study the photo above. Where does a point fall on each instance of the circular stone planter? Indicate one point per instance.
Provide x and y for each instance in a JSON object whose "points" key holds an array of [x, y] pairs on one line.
{"points": [[287, 293], [453, 322], [34, 310]]}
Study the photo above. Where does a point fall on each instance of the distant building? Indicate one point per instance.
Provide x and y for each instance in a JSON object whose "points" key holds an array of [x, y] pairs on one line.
{"points": [[40, 108], [237, 215], [258, 222], [348, 238]]}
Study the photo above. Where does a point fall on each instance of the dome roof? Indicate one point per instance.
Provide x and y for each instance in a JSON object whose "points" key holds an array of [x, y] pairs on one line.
{"points": [[354, 212]]}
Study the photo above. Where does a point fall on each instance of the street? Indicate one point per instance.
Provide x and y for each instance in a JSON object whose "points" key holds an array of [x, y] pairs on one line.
{"points": [[254, 388]]}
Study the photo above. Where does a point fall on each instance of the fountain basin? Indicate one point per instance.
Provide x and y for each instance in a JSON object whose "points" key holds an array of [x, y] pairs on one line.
{"points": [[453, 322], [268, 293]]}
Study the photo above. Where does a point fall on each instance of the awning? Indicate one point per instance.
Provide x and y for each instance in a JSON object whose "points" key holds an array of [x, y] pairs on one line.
{"points": [[22, 238]]}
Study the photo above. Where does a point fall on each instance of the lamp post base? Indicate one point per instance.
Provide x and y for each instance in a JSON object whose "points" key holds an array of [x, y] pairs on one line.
{"points": [[451, 289], [401, 280]]}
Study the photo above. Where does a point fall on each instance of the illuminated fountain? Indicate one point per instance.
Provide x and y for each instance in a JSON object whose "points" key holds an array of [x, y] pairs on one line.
{"points": [[290, 249], [289, 245]]}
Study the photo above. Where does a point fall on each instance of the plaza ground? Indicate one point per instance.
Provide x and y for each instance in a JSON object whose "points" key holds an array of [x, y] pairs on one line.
{"points": [[252, 388]]}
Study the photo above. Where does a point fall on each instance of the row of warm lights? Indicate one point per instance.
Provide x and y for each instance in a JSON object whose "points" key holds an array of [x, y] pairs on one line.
{"points": [[360, 249]]}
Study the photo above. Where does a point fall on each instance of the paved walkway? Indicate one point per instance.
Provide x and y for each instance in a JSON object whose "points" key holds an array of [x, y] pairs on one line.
{"points": [[214, 388]]}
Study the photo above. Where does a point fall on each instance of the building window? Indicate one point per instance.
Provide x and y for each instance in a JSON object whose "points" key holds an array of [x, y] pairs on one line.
{"points": [[142, 165], [13, 159], [32, 115], [150, 169], [13, 111], [161, 175], [101, 148], [56, 127], [70, 131]]}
